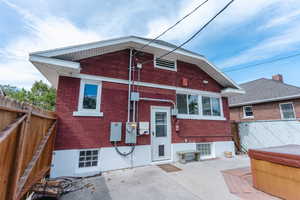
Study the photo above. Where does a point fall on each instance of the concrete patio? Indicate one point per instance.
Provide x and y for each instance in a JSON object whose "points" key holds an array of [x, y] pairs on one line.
{"points": [[197, 180]]}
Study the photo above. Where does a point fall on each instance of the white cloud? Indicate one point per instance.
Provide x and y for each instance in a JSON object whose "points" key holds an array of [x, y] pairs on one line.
{"points": [[48, 33], [281, 41]]}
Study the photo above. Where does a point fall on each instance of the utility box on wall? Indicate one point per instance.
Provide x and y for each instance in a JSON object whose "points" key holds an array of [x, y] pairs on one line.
{"points": [[130, 137], [115, 131], [144, 128]]}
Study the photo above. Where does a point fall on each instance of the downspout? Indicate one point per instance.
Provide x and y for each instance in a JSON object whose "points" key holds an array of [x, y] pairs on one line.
{"points": [[129, 85]]}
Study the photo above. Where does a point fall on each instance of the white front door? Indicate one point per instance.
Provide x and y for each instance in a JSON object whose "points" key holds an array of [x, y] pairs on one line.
{"points": [[160, 133]]}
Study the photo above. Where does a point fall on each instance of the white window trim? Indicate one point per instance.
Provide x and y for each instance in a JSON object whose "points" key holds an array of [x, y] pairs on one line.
{"points": [[244, 113], [200, 115], [79, 170], [166, 68], [212, 150], [89, 112], [281, 112]]}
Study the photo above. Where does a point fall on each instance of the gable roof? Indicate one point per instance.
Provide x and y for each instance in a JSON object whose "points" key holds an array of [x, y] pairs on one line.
{"points": [[64, 60], [264, 90]]}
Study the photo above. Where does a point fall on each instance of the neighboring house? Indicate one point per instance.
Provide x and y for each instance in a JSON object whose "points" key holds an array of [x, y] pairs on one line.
{"points": [[266, 99], [176, 103]]}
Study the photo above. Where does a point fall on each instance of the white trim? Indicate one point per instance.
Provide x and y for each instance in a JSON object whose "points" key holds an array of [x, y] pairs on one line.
{"points": [[244, 113], [165, 68], [89, 112], [144, 84], [281, 113], [266, 100], [54, 61]]}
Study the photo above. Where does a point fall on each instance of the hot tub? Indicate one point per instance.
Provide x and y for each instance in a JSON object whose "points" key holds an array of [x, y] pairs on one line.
{"points": [[276, 170]]}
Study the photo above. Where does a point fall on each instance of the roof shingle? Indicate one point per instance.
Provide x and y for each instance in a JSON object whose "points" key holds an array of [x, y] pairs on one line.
{"points": [[263, 90]]}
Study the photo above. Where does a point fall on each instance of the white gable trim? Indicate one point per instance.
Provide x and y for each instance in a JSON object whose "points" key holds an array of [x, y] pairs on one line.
{"points": [[54, 61]]}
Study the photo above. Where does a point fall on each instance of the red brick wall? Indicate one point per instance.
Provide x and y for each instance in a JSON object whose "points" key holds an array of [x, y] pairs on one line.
{"points": [[264, 111], [93, 132]]}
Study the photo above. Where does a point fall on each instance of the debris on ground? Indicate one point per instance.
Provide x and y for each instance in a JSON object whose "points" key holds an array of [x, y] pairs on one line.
{"points": [[56, 187]]}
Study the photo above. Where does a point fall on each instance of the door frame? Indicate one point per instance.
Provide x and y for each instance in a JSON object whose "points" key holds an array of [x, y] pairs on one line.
{"points": [[169, 137]]}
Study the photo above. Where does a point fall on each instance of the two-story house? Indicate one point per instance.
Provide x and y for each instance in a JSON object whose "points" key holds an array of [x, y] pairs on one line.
{"points": [[120, 104]]}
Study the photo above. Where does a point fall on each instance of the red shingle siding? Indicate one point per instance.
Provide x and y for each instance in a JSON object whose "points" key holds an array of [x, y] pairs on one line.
{"points": [[264, 111], [115, 65], [93, 132]]}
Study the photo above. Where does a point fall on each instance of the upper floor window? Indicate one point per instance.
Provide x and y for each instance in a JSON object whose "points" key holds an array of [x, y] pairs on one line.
{"points": [[165, 64], [89, 99], [198, 107], [248, 112], [287, 111]]}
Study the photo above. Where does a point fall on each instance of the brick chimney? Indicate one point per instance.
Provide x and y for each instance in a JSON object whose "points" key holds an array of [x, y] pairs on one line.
{"points": [[278, 77]]}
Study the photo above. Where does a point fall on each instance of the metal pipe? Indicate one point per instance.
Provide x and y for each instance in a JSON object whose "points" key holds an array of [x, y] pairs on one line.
{"points": [[129, 85], [160, 100]]}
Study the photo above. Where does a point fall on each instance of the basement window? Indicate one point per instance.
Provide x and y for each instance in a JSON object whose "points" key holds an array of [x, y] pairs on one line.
{"points": [[165, 64], [89, 99], [287, 111], [205, 150], [88, 158]]}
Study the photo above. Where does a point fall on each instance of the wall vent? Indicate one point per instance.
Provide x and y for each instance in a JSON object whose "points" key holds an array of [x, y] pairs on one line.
{"points": [[167, 64]]}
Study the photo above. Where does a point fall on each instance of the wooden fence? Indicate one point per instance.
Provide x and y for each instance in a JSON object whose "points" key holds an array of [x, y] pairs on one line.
{"points": [[27, 136]]}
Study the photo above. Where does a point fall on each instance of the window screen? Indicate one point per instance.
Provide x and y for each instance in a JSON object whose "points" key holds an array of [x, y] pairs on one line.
{"points": [[287, 111], [88, 158]]}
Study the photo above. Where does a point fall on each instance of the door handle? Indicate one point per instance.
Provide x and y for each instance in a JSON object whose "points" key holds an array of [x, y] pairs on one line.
{"points": [[153, 133]]}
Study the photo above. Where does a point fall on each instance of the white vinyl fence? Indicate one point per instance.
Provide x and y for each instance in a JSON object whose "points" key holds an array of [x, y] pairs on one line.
{"points": [[260, 134]]}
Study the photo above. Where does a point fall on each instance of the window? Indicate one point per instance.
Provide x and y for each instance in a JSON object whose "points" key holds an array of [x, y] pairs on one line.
{"points": [[165, 64], [205, 150], [191, 106], [211, 106], [89, 99], [248, 113], [88, 158], [287, 111], [187, 104], [161, 150], [161, 124]]}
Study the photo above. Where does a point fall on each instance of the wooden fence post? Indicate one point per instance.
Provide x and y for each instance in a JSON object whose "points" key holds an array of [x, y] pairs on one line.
{"points": [[20, 154]]}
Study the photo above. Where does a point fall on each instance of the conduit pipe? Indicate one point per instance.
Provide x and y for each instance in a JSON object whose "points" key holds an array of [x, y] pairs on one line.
{"points": [[159, 100], [129, 85]]}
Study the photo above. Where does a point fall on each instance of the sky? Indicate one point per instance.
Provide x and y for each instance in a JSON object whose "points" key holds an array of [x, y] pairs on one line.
{"points": [[248, 32]]}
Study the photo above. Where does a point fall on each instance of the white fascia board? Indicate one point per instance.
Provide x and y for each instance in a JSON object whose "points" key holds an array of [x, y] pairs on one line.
{"points": [[54, 61], [266, 100], [232, 92]]}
